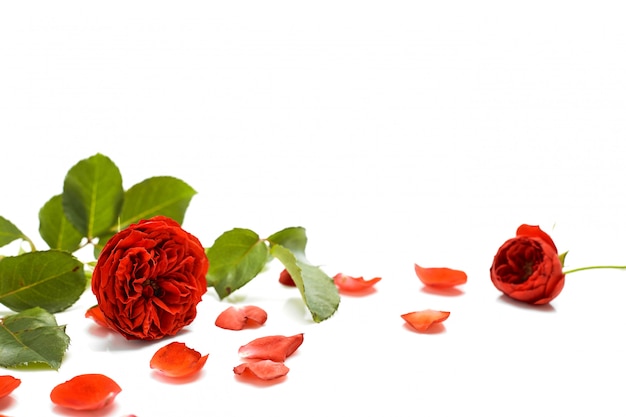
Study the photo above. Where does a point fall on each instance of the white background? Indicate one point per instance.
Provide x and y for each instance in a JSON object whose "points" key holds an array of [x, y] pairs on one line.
{"points": [[394, 132]]}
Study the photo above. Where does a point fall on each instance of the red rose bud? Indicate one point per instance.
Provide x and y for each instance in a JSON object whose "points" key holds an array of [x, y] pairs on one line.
{"points": [[527, 267], [149, 278]]}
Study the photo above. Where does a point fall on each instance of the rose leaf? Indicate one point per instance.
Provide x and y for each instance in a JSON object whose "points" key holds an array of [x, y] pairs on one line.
{"points": [[93, 195], [32, 337], [52, 280], [156, 196], [318, 290], [54, 227], [291, 238], [9, 232], [235, 258]]}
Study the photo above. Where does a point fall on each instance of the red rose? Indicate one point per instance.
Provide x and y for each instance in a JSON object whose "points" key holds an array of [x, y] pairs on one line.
{"points": [[527, 267], [149, 279]]}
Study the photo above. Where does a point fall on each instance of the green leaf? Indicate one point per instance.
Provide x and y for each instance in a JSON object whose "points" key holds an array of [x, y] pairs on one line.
{"points": [[9, 232], [54, 227], [166, 196], [93, 195], [52, 280], [292, 238], [32, 337], [562, 258], [317, 289], [235, 258]]}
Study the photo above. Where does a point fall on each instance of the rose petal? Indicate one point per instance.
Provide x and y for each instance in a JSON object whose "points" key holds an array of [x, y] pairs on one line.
{"points": [[353, 284], [85, 392], [265, 369], [286, 279], [422, 320], [256, 314], [275, 348], [536, 232], [8, 383], [96, 315], [440, 277], [236, 318], [177, 360]]}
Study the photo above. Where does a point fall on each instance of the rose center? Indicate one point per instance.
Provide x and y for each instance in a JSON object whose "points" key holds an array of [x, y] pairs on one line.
{"points": [[527, 271], [151, 289]]}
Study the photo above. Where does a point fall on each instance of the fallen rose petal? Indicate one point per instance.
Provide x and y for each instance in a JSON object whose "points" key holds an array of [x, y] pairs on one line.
{"points": [[440, 277], [8, 383], [236, 318], [265, 369], [275, 348], [422, 320], [285, 279], [96, 315], [85, 392], [348, 283], [256, 314], [177, 360]]}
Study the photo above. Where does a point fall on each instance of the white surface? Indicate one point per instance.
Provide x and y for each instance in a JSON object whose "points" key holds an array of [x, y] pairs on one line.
{"points": [[395, 132]]}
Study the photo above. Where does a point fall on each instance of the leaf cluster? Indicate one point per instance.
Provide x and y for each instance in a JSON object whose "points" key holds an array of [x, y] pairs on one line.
{"points": [[91, 209], [239, 255]]}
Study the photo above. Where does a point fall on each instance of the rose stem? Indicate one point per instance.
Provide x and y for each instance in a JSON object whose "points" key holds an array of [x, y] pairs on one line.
{"points": [[584, 268]]}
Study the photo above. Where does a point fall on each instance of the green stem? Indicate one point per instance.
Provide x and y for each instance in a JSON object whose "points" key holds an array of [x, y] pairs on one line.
{"points": [[584, 268], [30, 243]]}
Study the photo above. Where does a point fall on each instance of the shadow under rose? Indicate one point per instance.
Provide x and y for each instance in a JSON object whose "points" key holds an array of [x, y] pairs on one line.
{"points": [[110, 340], [546, 308]]}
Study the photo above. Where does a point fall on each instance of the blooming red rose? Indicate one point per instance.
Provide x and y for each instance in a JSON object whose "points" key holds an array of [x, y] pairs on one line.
{"points": [[527, 267], [149, 278]]}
